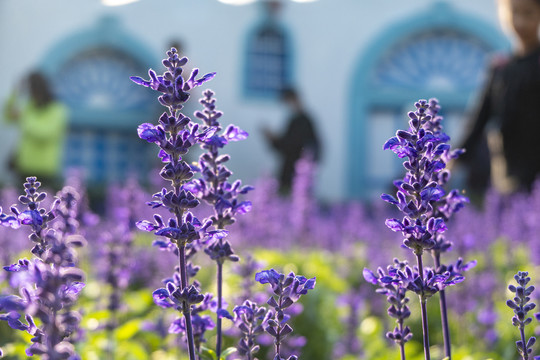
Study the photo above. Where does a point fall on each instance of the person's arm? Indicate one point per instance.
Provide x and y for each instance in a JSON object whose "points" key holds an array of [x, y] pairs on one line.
{"points": [[479, 119], [11, 111]]}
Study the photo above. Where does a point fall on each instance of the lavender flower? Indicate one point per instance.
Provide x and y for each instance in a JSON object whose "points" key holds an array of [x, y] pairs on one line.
{"points": [[287, 291], [444, 208], [521, 305], [302, 199], [251, 320], [395, 291], [453, 201], [421, 197], [53, 282], [213, 187], [419, 188], [37, 218], [175, 135]]}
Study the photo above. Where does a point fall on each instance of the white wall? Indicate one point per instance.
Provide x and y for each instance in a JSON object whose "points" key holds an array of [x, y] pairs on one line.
{"points": [[330, 36]]}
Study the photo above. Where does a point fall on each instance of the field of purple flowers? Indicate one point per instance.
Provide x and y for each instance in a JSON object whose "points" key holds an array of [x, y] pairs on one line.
{"points": [[420, 275]]}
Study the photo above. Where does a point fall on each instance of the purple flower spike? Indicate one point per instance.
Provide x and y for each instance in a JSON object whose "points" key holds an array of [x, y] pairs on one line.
{"points": [[521, 305], [53, 276], [392, 284], [426, 208], [420, 194], [287, 290], [175, 134]]}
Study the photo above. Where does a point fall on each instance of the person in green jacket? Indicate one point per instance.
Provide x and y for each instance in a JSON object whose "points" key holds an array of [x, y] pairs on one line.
{"points": [[42, 121]]}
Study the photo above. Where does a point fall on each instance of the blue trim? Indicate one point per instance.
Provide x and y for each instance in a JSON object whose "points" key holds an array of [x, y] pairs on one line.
{"points": [[107, 32], [440, 15], [92, 125], [267, 21]]}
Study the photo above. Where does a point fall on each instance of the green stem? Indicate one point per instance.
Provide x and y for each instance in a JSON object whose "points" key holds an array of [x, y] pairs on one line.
{"points": [[522, 333], [186, 308], [220, 304], [444, 314], [401, 343], [425, 326]]}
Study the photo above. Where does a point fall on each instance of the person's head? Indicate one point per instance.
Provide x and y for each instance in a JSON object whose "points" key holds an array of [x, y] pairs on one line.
{"points": [[178, 45], [290, 97], [40, 91], [522, 17]]}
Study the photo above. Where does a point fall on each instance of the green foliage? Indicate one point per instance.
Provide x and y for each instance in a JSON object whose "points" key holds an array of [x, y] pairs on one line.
{"points": [[322, 321], [209, 354]]}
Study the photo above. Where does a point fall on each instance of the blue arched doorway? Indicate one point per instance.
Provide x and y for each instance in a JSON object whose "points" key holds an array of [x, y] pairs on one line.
{"points": [[439, 53], [89, 72]]}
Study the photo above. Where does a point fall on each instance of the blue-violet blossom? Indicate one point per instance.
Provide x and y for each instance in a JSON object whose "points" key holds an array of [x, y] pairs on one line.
{"points": [[175, 135], [287, 290]]}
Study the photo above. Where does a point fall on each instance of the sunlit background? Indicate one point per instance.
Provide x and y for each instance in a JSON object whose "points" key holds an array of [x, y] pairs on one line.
{"points": [[358, 65]]}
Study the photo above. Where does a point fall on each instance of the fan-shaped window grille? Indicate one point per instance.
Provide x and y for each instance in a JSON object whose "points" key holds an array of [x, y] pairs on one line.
{"points": [[105, 110], [441, 62], [96, 79], [440, 59]]}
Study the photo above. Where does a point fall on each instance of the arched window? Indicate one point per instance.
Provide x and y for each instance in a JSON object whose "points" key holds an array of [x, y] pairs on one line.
{"points": [[443, 54], [268, 58], [90, 73]]}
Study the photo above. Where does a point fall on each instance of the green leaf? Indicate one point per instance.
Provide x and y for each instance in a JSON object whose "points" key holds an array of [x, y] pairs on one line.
{"points": [[227, 352], [132, 350], [128, 330], [207, 354]]}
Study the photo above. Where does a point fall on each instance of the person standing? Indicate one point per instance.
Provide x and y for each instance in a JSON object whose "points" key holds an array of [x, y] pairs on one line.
{"points": [[510, 104], [299, 139], [42, 121]]}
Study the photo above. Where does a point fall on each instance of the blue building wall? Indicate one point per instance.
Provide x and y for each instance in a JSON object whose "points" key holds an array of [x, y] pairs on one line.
{"points": [[336, 43]]}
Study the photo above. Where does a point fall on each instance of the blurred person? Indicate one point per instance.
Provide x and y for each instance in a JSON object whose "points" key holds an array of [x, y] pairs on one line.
{"points": [[299, 139], [9, 137], [42, 122], [509, 108]]}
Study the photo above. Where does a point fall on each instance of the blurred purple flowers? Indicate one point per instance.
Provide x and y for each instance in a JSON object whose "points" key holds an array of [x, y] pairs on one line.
{"points": [[53, 281]]}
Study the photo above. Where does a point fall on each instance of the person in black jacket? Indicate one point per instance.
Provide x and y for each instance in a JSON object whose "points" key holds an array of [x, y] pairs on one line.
{"points": [[510, 105], [299, 139]]}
